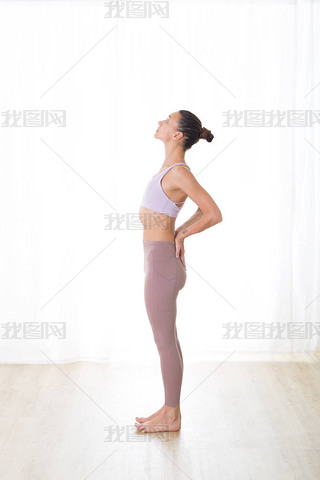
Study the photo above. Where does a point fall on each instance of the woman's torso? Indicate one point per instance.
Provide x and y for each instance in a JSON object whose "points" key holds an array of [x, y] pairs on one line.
{"points": [[158, 226]]}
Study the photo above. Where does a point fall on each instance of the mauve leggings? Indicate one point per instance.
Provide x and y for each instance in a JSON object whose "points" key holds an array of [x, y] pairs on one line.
{"points": [[164, 277]]}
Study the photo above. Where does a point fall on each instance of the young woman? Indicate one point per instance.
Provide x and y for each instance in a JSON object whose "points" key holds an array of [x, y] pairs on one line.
{"points": [[164, 253]]}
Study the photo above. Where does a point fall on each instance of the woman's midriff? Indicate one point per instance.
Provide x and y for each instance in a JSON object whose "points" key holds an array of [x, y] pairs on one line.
{"points": [[157, 226]]}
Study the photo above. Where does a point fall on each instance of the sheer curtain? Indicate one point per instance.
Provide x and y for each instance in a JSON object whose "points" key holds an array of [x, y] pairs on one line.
{"points": [[81, 95]]}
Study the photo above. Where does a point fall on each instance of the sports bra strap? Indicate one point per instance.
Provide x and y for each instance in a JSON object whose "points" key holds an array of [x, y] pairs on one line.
{"points": [[167, 169], [177, 164]]}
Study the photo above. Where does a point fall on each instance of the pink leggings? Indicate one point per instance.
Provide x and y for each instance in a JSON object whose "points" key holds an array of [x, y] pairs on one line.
{"points": [[164, 277]]}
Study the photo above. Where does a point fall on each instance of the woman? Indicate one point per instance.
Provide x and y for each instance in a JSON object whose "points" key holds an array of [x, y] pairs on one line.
{"points": [[164, 254]]}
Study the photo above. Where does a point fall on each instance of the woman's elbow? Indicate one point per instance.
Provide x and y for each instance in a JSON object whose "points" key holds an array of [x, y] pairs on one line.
{"points": [[216, 218]]}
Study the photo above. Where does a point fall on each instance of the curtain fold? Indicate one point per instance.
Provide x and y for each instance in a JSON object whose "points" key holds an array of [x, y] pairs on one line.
{"points": [[72, 273]]}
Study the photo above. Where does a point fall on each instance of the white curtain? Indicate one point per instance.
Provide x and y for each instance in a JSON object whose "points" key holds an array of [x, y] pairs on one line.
{"points": [[71, 288]]}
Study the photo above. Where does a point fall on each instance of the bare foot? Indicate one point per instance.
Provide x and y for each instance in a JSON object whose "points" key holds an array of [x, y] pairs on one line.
{"points": [[169, 419], [145, 419]]}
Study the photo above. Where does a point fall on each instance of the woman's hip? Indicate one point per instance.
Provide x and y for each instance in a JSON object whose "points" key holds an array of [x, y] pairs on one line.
{"points": [[163, 270]]}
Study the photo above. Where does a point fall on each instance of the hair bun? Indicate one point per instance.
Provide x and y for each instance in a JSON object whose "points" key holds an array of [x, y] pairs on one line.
{"points": [[206, 134]]}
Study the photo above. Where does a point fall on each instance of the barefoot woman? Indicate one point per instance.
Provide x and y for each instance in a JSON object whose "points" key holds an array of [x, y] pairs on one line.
{"points": [[164, 255]]}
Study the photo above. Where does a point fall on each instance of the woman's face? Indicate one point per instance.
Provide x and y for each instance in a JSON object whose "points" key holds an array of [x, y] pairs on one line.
{"points": [[168, 127]]}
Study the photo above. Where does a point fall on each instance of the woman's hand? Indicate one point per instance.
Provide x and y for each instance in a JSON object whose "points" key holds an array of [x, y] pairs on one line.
{"points": [[179, 243]]}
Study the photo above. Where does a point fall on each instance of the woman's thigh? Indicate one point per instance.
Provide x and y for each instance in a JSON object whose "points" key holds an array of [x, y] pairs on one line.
{"points": [[160, 292], [164, 276]]}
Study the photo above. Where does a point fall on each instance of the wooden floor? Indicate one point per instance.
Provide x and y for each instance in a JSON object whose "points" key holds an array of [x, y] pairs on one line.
{"points": [[255, 417]]}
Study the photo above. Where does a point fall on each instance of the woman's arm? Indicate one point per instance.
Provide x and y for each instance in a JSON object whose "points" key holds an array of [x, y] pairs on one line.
{"points": [[195, 217], [197, 225], [208, 213]]}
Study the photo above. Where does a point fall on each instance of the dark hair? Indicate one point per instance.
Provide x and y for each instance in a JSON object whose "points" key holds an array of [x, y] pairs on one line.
{"points": [[192, 129]]}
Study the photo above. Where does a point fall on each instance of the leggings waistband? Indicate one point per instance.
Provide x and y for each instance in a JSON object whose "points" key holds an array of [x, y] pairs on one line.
{"points": [[158, 241], [159, 247]]}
